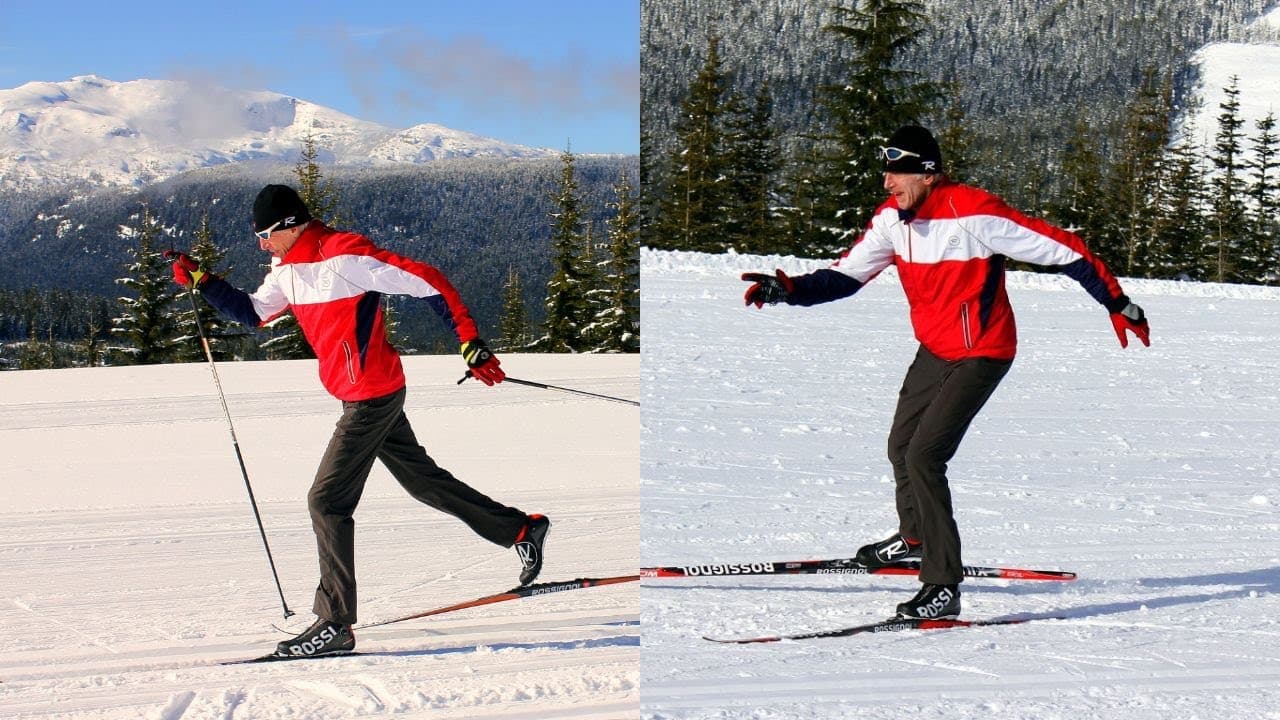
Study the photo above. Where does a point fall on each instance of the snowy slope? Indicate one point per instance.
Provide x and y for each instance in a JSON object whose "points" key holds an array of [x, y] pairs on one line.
{"points": [[136, 132], [1256, 67], [1151, 472], [132, 565]]}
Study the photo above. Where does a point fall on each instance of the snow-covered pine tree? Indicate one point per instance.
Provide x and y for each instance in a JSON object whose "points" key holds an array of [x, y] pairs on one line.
{"points": [[567, 287], [147, 324], [691, 202], [320, 195], [1078, 208], [596, 311], [955, 138], [620, 325], [864, 105], [513, 327], [1258, 256], [1227, 215], [752, 161], [1181, 221], [35, 354], [1133, 182], [209, 255]]}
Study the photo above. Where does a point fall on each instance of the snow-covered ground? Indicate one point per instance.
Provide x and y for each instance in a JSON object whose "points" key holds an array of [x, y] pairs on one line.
{"points": [[1151, 472], [132, 566]]}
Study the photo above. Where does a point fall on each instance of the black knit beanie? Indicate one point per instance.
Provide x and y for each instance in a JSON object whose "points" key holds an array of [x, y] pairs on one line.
{"points": [[279, 204], [912, 149]]}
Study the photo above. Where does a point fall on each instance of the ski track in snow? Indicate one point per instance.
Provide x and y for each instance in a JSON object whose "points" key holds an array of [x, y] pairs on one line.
{"points": [[1151, 472], [133, 566]]}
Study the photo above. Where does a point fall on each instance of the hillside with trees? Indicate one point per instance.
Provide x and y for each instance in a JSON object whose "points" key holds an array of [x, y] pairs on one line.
{"points": [[483, 222], [1066, 109]]}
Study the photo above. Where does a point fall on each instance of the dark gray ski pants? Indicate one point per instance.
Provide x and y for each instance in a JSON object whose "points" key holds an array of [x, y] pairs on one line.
{"points": [[378, 429], [937, 402]]}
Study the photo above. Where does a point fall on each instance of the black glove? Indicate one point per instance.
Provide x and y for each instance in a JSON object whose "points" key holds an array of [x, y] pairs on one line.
{"points": [[771, 289]]}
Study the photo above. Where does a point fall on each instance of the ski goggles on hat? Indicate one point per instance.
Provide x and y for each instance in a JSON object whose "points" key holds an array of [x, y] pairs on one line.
{"points": [[893, 154], [265, 234]]}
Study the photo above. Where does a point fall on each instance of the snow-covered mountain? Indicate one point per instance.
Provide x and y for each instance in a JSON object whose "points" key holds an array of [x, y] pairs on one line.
{"points": [[93, 129]]}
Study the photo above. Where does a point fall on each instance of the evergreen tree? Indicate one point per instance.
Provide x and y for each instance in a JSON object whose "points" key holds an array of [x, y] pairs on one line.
{"points": [[651, 178], [1181, 223], [873, 98], [209, 256], [1133, 182], [567, 311], [90, 350], [513, 328], [321, 198], [596, 298], [690, 206], [1257, 261], [1226, 221], [35, 354], [955, 140], [147, 323], [752, 159], [318, 194], [1078, 209], [800, 217], [620, 322]]}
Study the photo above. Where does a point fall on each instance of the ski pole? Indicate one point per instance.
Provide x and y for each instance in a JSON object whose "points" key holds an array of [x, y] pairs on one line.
{"points": [[545, 386], [204, 342]]}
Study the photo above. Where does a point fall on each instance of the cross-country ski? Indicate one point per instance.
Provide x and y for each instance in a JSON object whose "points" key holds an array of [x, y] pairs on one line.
{"points": [[134, 567], [524, 591], [892, 625], [1149, 475], [840, 566]]}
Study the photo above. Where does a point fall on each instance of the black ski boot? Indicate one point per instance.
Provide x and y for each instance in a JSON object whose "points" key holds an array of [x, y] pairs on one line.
{"points": [[933, 602], [322, 638], [891, 550], [529, 547]]}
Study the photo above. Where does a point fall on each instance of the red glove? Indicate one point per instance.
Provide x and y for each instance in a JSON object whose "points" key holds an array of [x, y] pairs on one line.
{"points": [[483, 363], [186, 271], [771, 289], [1131, 318]]}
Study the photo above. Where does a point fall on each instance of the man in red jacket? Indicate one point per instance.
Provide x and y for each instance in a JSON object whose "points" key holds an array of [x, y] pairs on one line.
{"points": [[949, 243], [333, 281]]}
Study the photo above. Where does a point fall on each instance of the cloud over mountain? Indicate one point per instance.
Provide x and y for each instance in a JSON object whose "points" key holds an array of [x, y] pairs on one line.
{"points": [[91, 129]]}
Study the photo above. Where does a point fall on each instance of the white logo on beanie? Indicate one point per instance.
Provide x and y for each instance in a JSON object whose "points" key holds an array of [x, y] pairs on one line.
{"points": [[928, 165]]}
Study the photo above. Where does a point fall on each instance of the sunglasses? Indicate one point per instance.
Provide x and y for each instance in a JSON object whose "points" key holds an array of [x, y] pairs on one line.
{"points": [[893, 154], [264, 234]]}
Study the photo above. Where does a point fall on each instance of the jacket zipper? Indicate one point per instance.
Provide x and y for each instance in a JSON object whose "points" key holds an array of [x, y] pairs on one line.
{"points": [[351, 370], [964, 326]]}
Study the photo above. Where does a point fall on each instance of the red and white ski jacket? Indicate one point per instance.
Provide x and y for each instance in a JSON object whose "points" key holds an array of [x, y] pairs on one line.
{"points": [[950, 256], [333, 281]]}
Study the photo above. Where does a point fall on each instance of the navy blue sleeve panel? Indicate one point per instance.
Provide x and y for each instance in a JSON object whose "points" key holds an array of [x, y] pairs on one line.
{"points": [[822, 286], [230, 302], [441, 306], [1083, 272], [367, 308]]}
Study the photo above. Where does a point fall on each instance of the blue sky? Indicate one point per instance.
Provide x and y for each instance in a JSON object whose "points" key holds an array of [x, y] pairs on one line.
{"points": [[545, 73]]}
